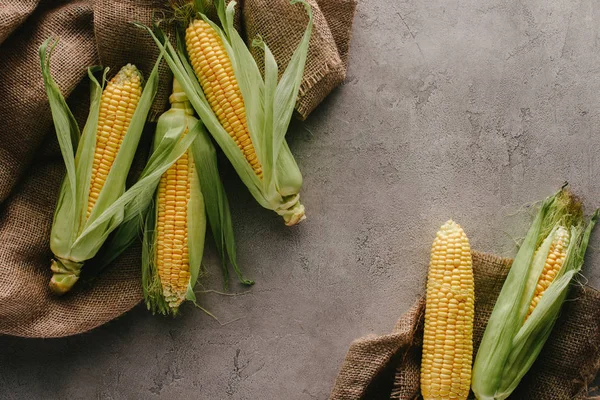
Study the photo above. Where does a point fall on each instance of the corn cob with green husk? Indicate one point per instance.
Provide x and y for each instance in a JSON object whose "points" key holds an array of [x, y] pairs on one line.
{"points": [[247, 115], [531, 298], [188, 192], [93, 201]]}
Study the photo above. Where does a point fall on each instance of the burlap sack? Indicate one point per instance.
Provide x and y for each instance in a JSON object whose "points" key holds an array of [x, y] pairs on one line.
{"points": [[328, 52], [387, 367], [95, 32]]}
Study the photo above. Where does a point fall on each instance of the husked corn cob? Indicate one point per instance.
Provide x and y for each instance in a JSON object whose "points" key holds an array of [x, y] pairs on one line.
{"points": [[214, 71], [172, 254], [449, 311], [245, 110], [119, 101], [95, 210], [554, 261]]}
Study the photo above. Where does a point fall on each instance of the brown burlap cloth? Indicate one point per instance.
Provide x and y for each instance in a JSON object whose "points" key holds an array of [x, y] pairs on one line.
{"points": [[387, 367], [96, 32]]}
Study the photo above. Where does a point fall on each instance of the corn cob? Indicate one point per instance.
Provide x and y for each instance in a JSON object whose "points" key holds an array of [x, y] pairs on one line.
{"points": [[93, 200], [529, 303], [247, 112], [554, 261], [215, 73], [449, 310], [172, 255], [174, 242], [119, 101]]}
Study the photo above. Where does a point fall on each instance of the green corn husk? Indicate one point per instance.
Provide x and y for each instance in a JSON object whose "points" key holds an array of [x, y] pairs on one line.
{"points": [[74, 238], [207, 201], [269, 107], [512, 341]]}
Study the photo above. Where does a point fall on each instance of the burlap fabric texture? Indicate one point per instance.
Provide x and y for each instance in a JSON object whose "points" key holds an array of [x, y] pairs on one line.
{"points": [[387, 367], [99, 32]]}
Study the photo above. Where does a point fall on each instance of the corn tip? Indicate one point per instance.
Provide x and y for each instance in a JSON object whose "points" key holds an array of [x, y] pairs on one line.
{"points": [[127, 73]]}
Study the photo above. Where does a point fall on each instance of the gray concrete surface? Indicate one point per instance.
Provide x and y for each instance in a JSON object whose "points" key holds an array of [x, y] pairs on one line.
{"points": [[464, 109]]}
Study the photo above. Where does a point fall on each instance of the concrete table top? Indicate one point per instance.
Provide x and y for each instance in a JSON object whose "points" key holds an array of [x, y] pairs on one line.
{"points": [[463, 109]]}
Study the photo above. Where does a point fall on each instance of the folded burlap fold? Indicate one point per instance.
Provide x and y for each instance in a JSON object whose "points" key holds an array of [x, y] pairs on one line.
{"points": [[99, 32], [387, 367]]}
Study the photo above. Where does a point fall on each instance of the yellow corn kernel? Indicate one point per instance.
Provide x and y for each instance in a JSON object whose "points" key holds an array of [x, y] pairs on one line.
{"points": [[119, 101], [172, 256], [449, 311], [554, 261], [215, 73]]}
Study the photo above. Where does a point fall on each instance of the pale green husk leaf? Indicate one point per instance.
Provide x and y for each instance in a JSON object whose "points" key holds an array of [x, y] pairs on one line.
{"points": [[217, 205], [511, 341], [196, 220]]}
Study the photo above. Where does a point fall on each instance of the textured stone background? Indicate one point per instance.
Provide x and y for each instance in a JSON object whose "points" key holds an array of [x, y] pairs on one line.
{"points": [[464, 109]]}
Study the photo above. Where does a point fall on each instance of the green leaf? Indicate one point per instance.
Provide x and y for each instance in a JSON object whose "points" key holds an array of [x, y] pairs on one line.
{"points": [[217, 205], [260, 112], [200, 5], [289, 178], [530, 339], [84, 158], [586, 237], [220, 11], [265, 148], [535, 270], [64, 229], [120, 240], [289, 85], [196, 220], [512, 340], [166, 139]]}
